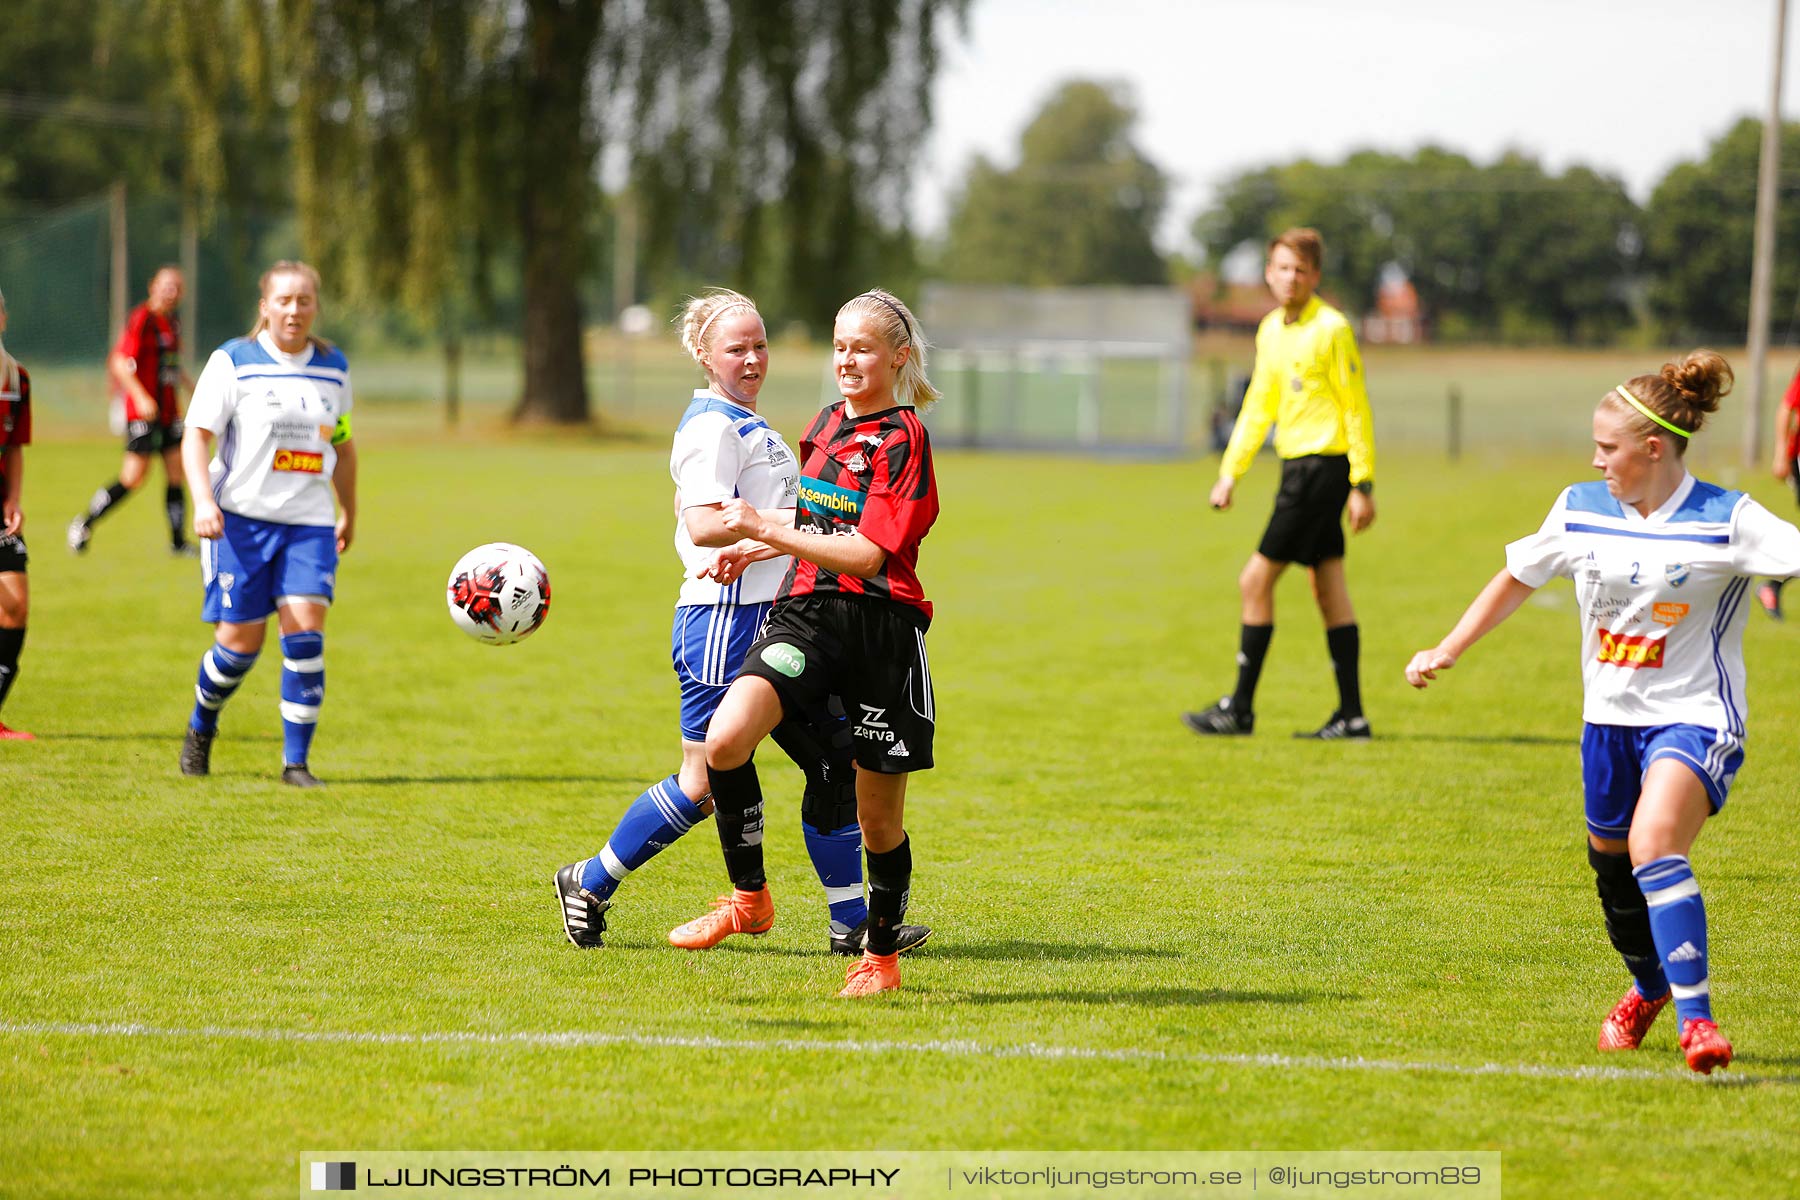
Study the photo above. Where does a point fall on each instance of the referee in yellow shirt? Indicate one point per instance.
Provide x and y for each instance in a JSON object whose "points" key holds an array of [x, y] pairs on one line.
{"points": [[1308, 383]]}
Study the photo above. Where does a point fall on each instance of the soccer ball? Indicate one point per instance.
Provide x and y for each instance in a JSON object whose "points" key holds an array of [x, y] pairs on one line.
{"points": [[498, 593]]}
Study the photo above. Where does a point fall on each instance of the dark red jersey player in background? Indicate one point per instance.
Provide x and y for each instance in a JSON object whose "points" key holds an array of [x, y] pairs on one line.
{"points": [[850, 620], [145, 368], [15, 433]]}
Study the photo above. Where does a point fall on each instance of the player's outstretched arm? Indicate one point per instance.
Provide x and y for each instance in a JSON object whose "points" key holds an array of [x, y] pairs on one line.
{"points": [[1499, 600]]}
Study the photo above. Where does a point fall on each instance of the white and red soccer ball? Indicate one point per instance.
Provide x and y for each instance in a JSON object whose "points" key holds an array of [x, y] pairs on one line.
{"points": [[498, 593]]}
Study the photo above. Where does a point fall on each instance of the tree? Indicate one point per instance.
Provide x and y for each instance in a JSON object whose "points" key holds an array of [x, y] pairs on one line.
{"points": [[1699, 232], [1080, 208], [1501, 250], [433, 135], [88, 103]]}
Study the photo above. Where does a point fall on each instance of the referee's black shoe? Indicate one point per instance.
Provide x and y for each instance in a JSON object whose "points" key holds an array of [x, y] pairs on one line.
{"points": [[905, 938], [1221, 719], [1339, 728]]}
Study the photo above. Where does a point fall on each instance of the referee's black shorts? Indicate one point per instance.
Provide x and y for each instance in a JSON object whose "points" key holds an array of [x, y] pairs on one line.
{"points": [[869, 651], [1307, 525]]}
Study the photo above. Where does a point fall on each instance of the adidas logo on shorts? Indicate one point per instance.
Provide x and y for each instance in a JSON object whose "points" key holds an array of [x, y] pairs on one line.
{"points": [[898, 750]]}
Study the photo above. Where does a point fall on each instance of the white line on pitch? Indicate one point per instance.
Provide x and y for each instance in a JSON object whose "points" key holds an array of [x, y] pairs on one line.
{"points": [[953, 1049]]}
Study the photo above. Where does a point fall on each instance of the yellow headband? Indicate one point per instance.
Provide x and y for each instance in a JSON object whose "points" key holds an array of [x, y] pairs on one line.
{"points": [[1643, 408]]}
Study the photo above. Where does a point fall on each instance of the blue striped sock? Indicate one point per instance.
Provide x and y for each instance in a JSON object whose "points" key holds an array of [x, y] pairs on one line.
{"points": [[837, 858], [654, 822], [1678, 923], [302, 691], [221, 671]]}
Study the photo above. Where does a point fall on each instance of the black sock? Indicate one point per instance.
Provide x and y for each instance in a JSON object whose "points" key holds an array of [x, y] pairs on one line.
{"points": [[11, 642], [890, 885], [1345, 644], [104, 499], [1628, 920], [175, 504], [738, 812], [1253, 647]]}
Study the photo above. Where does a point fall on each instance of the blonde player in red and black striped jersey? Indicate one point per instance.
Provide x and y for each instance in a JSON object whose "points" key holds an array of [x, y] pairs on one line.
{"points": [[849, 621]]}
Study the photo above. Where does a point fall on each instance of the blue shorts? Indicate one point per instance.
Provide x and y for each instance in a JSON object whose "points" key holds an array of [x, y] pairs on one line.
{"points": [[1615, 757], [708, 644], [257, 565]]}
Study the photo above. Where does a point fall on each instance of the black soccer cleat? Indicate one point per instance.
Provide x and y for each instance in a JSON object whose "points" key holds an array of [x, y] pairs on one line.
{"points": [[583, 914], [905, 938], [296, 775], [196, 753], [1339, 728], [1222, 719]]}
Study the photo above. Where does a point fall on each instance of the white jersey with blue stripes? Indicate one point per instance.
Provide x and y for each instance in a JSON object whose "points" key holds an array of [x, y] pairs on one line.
{"points": [[724, 450], [1663, 598], [274, 415]]}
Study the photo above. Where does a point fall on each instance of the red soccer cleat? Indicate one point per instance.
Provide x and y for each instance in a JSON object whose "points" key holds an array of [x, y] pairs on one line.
{"points": [[740, 912], [1628, 1022], [1704, 1045], [870, 974], [15, 735]]}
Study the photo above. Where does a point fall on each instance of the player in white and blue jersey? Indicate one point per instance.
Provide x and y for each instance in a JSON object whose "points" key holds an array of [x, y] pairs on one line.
{"points": [[723, 450], [1662, 564], [275, 507]]}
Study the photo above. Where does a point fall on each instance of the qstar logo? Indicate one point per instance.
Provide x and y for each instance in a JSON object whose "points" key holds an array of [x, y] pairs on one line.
{"points": [[1627, 650]]}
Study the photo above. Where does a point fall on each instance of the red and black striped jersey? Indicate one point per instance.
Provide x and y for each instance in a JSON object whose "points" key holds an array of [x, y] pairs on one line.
{"points": [[870, 475], [15, 411], [152, 341], [15, 418]]}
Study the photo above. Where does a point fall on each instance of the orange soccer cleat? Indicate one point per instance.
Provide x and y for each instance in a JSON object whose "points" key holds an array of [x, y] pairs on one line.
{"points": [[1704, 1045], [870, 974], [1630, 1019], [740, 912], [15, 735]]}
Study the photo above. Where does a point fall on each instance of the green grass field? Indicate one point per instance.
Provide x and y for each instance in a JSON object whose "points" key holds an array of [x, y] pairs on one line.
{"points": [[1143, 941]]}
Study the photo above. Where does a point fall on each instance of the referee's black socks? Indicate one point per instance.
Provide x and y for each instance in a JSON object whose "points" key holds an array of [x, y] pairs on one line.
{"points": [[1345, 644], [1253, 647], [738, 812], [890, 883]]}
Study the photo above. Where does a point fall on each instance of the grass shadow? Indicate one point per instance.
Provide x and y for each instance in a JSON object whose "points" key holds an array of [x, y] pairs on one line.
{"points": [[1483, 739], [400, 780], [1154, 997]]}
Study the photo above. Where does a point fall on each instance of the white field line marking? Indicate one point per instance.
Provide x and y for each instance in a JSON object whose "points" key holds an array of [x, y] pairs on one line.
{"points": [[953, 1049]]}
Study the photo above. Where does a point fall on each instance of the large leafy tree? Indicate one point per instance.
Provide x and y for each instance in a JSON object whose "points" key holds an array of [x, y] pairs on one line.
{"points": [[767, 142], [1081, 207], [1699, 232], [85, 102]]}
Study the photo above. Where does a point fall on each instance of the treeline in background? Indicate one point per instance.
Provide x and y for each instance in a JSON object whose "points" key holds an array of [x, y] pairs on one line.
{"points": [[461, 169]]}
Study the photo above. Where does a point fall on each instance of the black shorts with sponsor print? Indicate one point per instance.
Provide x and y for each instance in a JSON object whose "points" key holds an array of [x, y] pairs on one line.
{"points": [[1307, 525], [151, 437], [12, 553], [870, 652]]}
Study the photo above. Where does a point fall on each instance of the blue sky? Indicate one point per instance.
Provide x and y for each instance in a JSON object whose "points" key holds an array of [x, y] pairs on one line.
{"points": [[1629, 88]]}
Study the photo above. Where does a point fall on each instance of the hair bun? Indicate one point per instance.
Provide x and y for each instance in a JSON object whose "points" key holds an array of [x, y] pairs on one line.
{"points": [[1702, 378]]}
